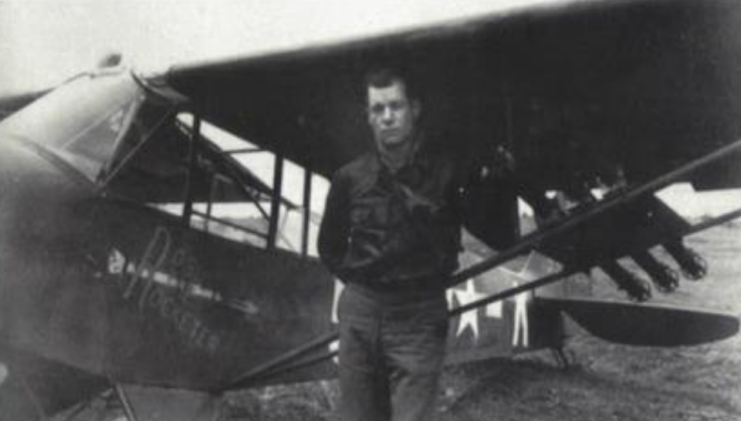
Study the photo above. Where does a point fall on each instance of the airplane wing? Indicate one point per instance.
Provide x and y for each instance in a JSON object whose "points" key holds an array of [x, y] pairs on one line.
{"points": [[646, 325], [578, 91], [648, 84]]}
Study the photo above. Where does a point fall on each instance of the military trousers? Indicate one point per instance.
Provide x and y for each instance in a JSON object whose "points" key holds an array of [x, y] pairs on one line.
{"points": [[392, 349]]}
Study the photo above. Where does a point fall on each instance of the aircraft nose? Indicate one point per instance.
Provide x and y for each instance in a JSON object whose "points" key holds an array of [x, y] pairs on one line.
{"points": [[35, 188]]}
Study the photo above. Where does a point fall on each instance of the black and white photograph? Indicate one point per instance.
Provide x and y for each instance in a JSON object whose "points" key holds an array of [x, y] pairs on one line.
{"points": [[370, 210]]}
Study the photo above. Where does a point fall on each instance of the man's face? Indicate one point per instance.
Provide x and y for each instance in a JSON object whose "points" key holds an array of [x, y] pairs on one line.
{"points": [[391, 114]]}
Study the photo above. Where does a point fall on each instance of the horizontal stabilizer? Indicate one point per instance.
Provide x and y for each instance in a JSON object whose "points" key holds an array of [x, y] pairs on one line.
{"points": [[647, 325]]}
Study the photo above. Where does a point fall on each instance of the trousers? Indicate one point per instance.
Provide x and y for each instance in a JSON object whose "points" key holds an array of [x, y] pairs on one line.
{"points": [[392, 349]]}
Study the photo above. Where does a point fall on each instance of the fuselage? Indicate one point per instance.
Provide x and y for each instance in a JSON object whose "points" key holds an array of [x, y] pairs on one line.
{"points": [[117, 287]]}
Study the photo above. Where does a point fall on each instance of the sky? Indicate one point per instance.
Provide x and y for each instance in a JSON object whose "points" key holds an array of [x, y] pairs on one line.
{"points": [[43, 42]]}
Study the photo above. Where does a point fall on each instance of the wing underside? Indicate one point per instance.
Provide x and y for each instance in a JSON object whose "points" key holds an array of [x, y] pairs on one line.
{"points": [[644, 85]]}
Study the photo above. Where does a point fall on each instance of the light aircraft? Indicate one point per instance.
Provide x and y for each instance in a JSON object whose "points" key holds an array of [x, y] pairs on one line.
{"points": [[121, 276]]}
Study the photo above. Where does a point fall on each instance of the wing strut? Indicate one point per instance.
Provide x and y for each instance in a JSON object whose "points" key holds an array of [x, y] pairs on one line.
{"points": [[284, 364], [125, 403], [307, 213], [719, 220], [32, 397], [281, 364], [293, 358], [192, 158], [530, 241], [290, 361], [276, 199]]}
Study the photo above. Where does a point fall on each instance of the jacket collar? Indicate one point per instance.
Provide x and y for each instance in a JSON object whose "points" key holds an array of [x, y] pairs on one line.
{"points": [[418, 157]]}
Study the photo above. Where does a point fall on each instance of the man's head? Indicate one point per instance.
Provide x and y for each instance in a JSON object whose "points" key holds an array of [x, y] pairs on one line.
{"points": [[392, 110]]}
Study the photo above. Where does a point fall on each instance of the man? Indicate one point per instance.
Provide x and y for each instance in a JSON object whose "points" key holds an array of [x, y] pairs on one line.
{"points": [[391, 234]]}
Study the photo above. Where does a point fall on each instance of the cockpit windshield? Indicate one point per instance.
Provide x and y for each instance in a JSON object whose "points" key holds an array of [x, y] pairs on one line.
{"points": [[81, 122]]}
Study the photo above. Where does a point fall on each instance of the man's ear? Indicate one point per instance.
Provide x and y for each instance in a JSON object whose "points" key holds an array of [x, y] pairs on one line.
{"points": [[416, 108]]}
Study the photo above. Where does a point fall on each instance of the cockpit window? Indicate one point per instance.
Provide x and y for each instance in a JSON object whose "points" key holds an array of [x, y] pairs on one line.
{"points": [[81, 122]]}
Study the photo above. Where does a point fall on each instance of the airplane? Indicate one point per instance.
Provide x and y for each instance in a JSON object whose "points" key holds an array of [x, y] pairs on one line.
{"points": [[126, 277]]}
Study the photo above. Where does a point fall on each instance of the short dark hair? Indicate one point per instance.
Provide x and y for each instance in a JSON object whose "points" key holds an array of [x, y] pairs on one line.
{"points": [[385, 77]]}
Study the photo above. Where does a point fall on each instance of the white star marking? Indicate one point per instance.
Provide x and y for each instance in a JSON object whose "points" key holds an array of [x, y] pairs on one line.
{"points": [[520, 333], [338, 287], [335, 345], [469, 318], [493, 310], [535, 267]]}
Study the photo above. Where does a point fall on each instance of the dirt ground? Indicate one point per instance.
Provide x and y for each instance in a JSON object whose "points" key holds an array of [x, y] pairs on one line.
{"points": [[607, 381]]}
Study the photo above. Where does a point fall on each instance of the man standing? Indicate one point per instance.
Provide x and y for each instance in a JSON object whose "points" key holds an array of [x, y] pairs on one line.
{"points": [[391, 234]]}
